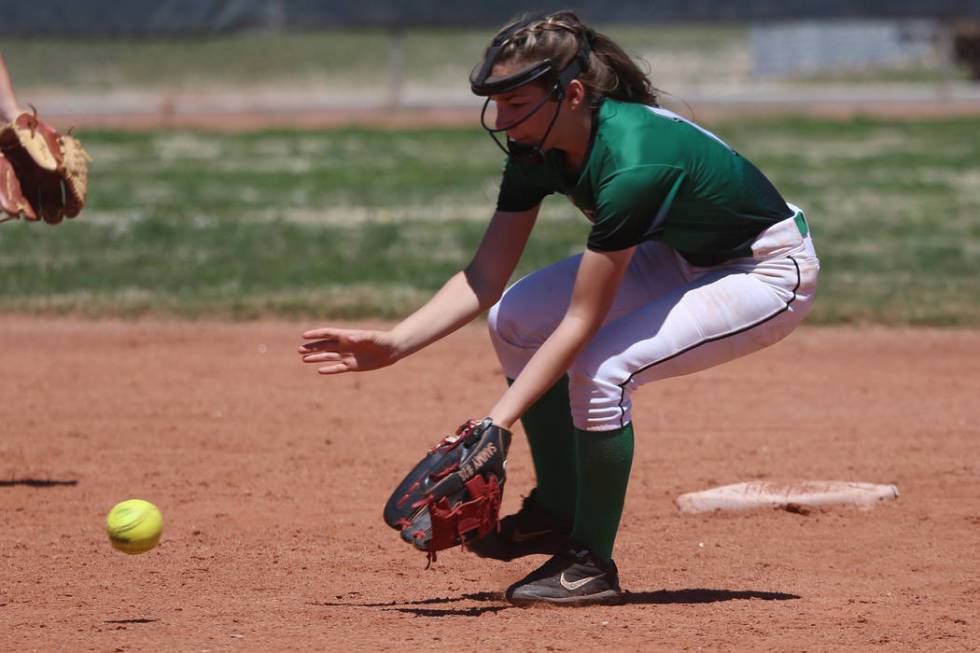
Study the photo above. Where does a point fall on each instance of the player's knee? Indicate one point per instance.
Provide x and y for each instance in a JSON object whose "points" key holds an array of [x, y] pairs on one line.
{"points": [[507, 341], [493, 317], [509, 322], [501, 324]]}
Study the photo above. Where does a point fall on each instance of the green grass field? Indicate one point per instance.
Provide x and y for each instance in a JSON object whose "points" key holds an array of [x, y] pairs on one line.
{"points": [[333, 60], [681, 57], [354, 223]]}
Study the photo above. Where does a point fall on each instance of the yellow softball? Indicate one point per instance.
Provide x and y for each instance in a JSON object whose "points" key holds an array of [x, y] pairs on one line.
{"points": [[134, 526]]}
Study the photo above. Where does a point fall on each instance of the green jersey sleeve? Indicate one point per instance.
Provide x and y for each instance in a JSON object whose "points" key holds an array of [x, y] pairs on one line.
{"points": [[520, 188], [632, 204]]}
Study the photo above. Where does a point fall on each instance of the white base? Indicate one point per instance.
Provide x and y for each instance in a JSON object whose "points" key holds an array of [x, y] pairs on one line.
{"points": [[762, 494]]}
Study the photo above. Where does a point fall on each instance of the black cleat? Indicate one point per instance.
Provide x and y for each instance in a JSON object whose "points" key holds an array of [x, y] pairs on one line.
{"points": [[531, 530], [573, 578]]}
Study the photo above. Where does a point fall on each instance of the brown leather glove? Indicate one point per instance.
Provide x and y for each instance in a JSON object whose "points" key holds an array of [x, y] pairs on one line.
{"points": [[12, 202], [43, 173]]}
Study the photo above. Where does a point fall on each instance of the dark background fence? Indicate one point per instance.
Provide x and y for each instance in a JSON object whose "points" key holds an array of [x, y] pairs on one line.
{"points": [[189, 17]]}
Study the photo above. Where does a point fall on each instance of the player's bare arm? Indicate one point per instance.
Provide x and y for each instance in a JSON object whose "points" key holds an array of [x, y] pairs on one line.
{"points": [[9, 109], [598, 279], [465, 296]]}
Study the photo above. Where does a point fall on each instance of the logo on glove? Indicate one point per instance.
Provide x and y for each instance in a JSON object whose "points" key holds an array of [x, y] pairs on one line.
{"points": [[480, 459]]}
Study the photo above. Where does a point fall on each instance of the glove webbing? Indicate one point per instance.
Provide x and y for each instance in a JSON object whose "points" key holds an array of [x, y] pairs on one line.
{"points": [[450, 525]]}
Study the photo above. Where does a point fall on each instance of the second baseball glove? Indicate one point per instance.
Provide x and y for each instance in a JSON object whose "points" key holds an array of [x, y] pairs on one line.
{"points": [[50, 170]]}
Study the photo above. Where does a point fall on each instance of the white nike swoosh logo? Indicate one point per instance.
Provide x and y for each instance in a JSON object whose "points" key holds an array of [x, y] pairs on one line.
{"points": [[571, 586], [520, 536]]}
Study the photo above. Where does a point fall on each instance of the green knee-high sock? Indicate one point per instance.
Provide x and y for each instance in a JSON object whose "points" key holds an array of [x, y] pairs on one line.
{"points": [[604, 460], [548, 424]]}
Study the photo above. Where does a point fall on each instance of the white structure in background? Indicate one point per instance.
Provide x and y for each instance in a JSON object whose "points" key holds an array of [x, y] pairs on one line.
{"points": [[825, 46]]}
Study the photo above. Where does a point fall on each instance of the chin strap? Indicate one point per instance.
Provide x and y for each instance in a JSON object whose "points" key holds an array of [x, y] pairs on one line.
{"points": [[519, 151]]}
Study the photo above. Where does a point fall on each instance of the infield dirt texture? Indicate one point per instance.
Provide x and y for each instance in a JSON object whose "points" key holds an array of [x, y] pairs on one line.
{"points": [[271, 483]]}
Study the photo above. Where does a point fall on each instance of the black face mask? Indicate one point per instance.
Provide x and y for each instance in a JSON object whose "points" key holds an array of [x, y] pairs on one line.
{"points": [[483, 84], [523, 152]]}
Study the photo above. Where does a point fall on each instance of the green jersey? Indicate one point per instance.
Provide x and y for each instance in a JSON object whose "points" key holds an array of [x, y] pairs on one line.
{"points": [[652, 175]]}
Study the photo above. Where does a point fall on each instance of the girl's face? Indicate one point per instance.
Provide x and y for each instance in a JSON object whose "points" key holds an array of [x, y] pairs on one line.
{"points": [[515, 105]]}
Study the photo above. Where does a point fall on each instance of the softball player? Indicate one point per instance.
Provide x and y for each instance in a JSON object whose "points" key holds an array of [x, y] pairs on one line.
{"points": [[693, 259]]}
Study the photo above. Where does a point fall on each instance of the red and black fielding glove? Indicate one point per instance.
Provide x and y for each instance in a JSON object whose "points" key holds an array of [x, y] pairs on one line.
{"points": [[453, 495]]}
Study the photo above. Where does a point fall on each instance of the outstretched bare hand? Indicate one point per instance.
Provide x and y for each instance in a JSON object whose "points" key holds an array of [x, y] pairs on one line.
{"points": [[348, 350]]}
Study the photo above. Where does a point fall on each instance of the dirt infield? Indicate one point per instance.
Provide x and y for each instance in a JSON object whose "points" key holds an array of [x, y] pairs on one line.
{"points": [[412, 118], [271, 481]]}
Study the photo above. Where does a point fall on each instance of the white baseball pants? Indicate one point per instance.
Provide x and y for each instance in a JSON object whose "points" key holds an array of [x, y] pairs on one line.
{"points": [[669, 318]]}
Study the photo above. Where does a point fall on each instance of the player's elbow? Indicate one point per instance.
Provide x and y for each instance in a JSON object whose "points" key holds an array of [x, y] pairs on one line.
{"points": [[488, 290]]}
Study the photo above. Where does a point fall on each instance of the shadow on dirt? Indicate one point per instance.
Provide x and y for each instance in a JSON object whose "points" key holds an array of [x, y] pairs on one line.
{"points": [[473, 596], [452, 612], [405, 606], [661, 597], [701, 595], [35, 482]]}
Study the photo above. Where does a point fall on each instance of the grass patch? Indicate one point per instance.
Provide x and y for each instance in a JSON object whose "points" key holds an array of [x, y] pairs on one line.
{"points": [[347, 58], [242, 268], [355, 223]]}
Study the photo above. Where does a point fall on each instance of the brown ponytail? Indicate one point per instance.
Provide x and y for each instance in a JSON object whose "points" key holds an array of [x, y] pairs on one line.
{"points": [[610, 73]]}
